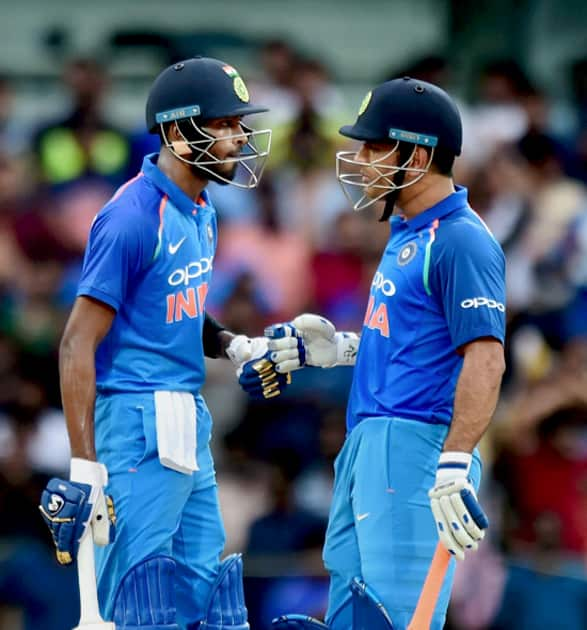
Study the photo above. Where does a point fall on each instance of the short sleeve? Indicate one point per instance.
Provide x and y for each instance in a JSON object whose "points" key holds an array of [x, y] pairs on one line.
{"points": [[118, 248], [467, 276]]}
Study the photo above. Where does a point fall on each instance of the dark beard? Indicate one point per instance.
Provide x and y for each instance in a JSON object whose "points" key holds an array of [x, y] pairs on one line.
{"points": [[213, 173]]}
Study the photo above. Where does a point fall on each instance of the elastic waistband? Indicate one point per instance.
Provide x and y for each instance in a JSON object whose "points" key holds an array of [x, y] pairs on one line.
{"points": [[413, 425], [144, 395]]}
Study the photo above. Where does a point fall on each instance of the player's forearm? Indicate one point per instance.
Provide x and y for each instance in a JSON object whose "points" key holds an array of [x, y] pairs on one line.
{"points": [[476, 396], [77, 374], [215, 338], [224, 339]]}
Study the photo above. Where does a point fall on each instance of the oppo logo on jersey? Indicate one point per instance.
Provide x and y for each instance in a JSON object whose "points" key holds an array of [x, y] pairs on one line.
{"points": [[478, 302], [381, 283], [184, 275]]}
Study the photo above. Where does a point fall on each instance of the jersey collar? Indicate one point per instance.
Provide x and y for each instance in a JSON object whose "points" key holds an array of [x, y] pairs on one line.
{"points": [[449, 204], [176, 195]]}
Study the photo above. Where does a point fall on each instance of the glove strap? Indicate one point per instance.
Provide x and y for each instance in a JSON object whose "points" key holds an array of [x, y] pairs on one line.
{"points": [[453, 465], [86, 471], [347, 346], [239, 350], [242, 349]]}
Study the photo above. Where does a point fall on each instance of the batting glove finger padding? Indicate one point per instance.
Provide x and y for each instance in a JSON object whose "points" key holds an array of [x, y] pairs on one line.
{"points": [[69, 508], [66, 510], [460, 519], [316, 341], [286, 347], [260, 379]]}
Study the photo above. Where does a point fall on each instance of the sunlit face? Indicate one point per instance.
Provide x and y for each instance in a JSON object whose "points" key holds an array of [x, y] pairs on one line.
{"points": [[368, 175], [230, 140], [374, 155], [216, 147]]}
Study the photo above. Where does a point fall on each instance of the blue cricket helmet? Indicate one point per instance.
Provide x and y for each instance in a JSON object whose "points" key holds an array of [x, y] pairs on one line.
{"points": [[201, 88], [409, 110], [193, 92]]}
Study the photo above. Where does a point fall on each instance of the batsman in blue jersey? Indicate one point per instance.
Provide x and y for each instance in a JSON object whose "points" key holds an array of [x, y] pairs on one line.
{"points": [[428, 366], [132, 365]]}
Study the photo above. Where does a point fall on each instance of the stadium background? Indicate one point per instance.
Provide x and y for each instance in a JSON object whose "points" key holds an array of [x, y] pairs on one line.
{"points": [[519, 71]]}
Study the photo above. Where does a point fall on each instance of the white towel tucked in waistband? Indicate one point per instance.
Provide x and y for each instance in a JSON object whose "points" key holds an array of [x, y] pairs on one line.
{"points": [[175, 414]]}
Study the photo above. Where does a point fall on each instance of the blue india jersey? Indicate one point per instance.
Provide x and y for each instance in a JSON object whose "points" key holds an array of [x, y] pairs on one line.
{"points": [[440, 284], [149, 257]]}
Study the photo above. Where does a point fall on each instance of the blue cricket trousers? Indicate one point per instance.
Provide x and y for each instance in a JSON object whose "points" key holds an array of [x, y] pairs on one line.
{"points": [[160, 512], [381, 527]]}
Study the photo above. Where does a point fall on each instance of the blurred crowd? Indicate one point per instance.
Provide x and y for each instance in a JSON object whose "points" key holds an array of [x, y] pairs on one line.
{"points": [[291, 246]]}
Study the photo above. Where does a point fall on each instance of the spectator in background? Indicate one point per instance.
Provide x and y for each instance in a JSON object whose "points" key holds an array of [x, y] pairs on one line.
{"points": [[285, 529], [578, 139], [554, 203], [14, 136], [14, 185], [550, 464], [343, 269], [83, 143], [313, 486], [308, 137], [536, 212], [277, 259], [29, 574], [498, 116], [547, 525], [307, 195], [277, 61], [432, 68]]}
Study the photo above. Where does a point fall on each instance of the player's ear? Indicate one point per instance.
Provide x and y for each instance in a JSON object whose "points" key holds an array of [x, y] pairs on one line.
{"points": [[173, 133], [176, 140], [420, 158]]}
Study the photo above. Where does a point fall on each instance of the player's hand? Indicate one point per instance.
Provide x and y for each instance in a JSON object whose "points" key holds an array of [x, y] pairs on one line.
{"points": [[254, 368], [310, 340], [260, 379], [460, 519], [70, 507]]}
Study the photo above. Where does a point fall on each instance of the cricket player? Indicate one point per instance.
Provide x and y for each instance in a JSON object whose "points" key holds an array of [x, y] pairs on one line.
{"points": [[428, 365], [132, 365]]}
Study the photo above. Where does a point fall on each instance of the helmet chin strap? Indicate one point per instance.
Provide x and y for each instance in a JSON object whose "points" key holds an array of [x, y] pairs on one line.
{"points": [[390, 200], [404, 152]]}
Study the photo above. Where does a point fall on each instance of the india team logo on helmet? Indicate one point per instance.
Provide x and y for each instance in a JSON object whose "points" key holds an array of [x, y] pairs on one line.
{"points": [[230, 71], [365, 103], [240, 89]]}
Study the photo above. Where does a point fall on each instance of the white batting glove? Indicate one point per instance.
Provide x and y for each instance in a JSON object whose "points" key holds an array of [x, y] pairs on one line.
{"points": [[243, 349], [310, 340], [102, 517], [460, 519], [256, 372]]}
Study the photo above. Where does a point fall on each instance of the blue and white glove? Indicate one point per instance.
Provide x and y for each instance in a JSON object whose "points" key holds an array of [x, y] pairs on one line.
{"points": [[310, 340], [460, 519], [70, 507], [254, 368]]}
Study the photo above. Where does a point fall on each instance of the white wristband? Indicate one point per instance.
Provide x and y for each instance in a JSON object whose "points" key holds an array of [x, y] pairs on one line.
{"points": [[453, 465], [347, 346], [86, 471], [239, 350], [242, 349]]}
